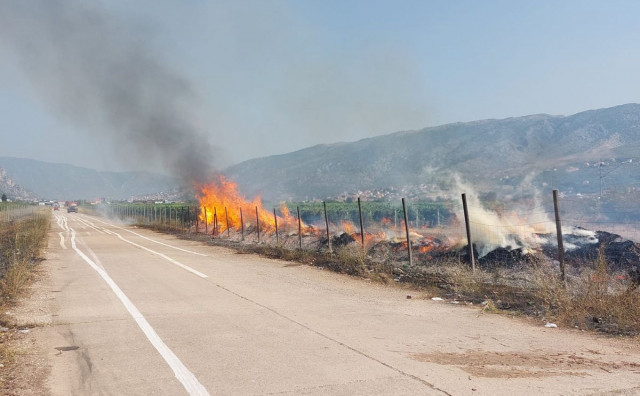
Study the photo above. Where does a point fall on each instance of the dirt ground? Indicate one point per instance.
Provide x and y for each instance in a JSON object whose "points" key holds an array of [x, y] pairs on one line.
{"points": [[28, 373]]}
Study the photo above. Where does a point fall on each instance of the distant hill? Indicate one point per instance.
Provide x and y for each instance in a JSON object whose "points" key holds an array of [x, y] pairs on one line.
{"points": [[61, 181], [567, 152], [13, 190]]}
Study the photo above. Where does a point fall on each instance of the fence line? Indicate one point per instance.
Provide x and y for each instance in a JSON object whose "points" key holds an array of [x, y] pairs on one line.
{"points": [[429, 225], [11, 211]]}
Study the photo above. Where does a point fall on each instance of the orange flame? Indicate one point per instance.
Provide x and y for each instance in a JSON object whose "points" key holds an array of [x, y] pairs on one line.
{"points": [[425, 248], [348, 227], [369, 238], [223, 194], [375, 237]]}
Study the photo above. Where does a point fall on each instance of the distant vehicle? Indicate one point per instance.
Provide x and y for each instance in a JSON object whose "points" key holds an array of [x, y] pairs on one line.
{"points": [[56, 207], [72, 208]]}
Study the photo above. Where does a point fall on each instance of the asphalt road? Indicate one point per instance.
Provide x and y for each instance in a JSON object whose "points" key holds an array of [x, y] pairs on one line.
{"points": [[134, 312]]}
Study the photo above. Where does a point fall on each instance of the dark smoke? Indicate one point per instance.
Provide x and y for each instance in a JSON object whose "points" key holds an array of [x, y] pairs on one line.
{"points": [[102, 75]]}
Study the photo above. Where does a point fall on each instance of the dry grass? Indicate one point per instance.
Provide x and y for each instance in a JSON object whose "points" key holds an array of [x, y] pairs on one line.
{"points": [[352, 259], [15, 280], [21, 244], [593, 299]]}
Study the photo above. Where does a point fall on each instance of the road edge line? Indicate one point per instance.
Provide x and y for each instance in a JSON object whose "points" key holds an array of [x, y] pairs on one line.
{"points": [[182, 373]]}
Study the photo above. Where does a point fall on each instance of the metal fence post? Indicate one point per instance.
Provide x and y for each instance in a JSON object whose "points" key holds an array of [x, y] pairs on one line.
{"points": [[326, 222], [242, 224], [406, 227], [226, 215], [299, 228], [216, 230], [468, 227], [275, 220], [206, 222], [258, 224], [361, 226], [559, 235]]}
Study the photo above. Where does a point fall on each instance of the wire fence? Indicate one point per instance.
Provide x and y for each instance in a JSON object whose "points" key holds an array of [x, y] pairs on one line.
{"points": [[432, 227], [11, 211], [23, 230]]}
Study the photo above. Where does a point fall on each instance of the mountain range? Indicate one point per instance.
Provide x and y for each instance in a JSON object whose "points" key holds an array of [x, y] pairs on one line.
{"points": [[591, 152], [578, 154], [67, 182]]}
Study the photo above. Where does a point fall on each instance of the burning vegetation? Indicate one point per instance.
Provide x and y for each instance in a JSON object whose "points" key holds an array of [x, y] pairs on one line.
{"points": [[222, 206], [501, 237]]}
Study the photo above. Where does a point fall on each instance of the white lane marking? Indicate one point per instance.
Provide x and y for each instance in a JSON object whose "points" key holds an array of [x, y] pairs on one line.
{"points": [[153, 240], [91, 225], [62, 241], [93, 255], [164, 256], [62, 222], [182, 373]]}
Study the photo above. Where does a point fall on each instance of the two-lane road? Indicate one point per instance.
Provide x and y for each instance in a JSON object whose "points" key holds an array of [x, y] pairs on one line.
{"points": [[139, 313]]}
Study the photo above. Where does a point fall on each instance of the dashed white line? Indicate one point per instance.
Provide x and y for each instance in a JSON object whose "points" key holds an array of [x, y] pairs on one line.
{"points": [[62, 241], [164, 256], [62, 222], [186, 377], [153, 240], [88, 223]]}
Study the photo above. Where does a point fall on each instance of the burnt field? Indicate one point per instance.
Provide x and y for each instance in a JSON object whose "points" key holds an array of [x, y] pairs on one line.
{"points": [[583, 248]]}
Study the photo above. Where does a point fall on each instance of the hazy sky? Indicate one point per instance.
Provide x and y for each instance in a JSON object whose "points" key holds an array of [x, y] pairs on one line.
{"points": [[257, 78]]}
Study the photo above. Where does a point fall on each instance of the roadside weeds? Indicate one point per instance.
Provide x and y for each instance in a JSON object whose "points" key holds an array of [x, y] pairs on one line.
{"points": [[21, 245]]}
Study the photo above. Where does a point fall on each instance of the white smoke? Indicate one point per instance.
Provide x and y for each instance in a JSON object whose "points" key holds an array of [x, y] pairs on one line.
{"points": [[514, 227]]}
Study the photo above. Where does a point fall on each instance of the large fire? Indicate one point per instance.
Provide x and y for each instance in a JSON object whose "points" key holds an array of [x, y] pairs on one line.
{"points": [[221, 200], [222, 207]]}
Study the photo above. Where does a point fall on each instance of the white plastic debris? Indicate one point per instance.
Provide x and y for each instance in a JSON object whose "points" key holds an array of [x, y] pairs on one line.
{"points": [[23, 331], [551, 325], [436, 298]]}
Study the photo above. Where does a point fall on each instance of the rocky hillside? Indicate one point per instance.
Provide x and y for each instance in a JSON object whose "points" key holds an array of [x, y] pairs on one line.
{"points": [[12, 189], [571, 153]]}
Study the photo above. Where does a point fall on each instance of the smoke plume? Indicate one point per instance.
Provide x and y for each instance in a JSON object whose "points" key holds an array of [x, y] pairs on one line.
{"points": [[102, 76], [516, 227]]}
